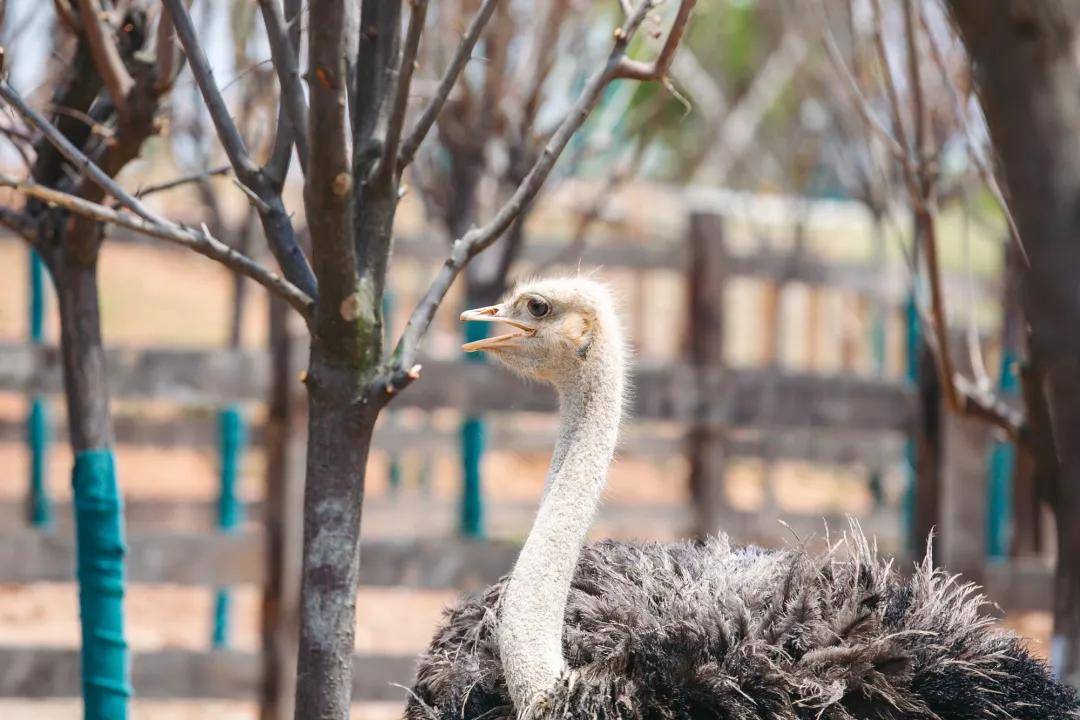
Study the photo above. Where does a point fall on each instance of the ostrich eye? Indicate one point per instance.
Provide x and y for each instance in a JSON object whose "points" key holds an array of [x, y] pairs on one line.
{"points": [[538, 307]]}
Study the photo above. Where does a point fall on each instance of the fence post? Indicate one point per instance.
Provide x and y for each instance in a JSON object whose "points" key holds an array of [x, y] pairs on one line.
{"points": [[231, 436], [39, 506], [921, 502], [393, 459], [963, 495], [284, 477], [706, 441], [472, 451]]}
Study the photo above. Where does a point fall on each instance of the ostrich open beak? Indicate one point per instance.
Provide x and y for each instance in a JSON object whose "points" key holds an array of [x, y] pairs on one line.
{"points": [[495, 313]]}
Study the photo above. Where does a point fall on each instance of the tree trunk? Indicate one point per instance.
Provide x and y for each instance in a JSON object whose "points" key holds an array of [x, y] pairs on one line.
{"points": [[98, 514], [282, 525], [1025, 69], [341, 418]]}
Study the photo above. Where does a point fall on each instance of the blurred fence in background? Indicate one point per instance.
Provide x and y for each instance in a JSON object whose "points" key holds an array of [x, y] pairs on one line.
{"points": [[775, 352]]}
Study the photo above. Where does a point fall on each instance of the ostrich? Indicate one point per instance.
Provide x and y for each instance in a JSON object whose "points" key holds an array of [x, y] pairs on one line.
{"points": [[697, 629]]}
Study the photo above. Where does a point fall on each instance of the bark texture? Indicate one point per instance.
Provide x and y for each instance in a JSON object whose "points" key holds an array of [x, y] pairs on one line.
{"points": [[1025, 68]]}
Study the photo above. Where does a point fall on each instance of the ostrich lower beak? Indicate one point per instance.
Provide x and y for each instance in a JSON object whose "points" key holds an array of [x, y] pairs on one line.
{"points": [[494, 313]]}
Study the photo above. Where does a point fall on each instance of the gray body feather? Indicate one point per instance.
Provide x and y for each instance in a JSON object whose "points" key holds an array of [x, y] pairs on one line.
{"points": [[700, 630]]}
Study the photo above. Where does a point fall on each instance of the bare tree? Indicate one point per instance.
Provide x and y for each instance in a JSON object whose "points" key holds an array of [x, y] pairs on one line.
{"points": [[103, 107], [1023, 65], [1025, 68], [356, 145]]}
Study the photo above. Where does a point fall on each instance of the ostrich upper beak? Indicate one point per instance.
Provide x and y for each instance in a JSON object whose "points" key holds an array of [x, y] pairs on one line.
{"points": [[496, 313]]}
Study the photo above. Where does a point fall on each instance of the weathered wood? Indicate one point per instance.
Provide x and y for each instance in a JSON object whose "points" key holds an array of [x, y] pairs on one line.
{"points": [[706, 283], [962, 531], [236, 560], [662, 392], [427, 518], [45, 672], [168, 558], [864, 277], [206, 376], [640, 440]]}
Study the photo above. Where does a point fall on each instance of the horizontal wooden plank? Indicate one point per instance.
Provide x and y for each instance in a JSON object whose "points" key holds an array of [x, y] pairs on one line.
{"points": [[760, 398], [890, 284], [184, 559], [418, 518], [43, 672], [1020, 585], [433, 560], [638, 440], [183, 375], [32, 556]]}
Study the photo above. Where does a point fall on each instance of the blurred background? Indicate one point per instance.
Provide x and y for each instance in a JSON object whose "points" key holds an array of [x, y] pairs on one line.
{"points": [[758, 231]]}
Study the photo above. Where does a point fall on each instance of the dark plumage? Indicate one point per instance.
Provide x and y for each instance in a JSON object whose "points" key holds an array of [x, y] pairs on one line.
{"points": [[698, 630]]}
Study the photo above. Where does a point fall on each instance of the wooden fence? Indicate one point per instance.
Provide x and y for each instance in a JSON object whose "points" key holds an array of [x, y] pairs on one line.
{"points": [[720, 409]]}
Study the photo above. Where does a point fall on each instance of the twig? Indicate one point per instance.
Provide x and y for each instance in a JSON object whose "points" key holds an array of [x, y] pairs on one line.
{"points": [[276, 224], [201, 241], [110, 66], [657, 69], [861, 104], [227, 131], [389, 161], [165, 54], [283, 51], [910, 173], [961, 116], [183, 180], [75, 156], [19, 223], [475, 240], [431, 111]]}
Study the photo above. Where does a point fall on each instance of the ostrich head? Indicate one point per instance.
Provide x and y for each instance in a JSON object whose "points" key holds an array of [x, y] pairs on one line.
{"points": [[557, 328]]}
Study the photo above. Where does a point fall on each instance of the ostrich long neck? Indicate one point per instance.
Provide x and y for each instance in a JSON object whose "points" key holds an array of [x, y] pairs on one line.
{"points": [[534, 601]]}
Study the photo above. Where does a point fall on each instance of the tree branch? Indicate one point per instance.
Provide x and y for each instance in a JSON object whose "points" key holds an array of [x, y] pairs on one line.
{"points": [[401, 371], [227, 131], [283, 50], [182, 180], [110, 66], [400, 103], [657, 69], [201, 241], [858, 100], [165, 54], [275, 221], [19, 223], [431, 111], [75, 156]]}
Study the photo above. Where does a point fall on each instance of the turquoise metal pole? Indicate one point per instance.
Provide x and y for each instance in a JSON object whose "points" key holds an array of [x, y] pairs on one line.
{"points": [[1002, 461], [394, 460], [878, 345], [472, 451], [230, 510], [100, 551], [39, 507], [913, 343]]}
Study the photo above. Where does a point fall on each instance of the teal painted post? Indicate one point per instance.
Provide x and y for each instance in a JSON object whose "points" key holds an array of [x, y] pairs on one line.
{"points": [[230, 511], [912, 346], [1002, 461], [878, 344], [472, 451], [39, 506], [394, 460], [100, 550]]}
